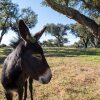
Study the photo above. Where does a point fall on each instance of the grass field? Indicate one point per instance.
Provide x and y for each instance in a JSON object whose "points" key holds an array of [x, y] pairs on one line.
{"points": [[76, 75]]}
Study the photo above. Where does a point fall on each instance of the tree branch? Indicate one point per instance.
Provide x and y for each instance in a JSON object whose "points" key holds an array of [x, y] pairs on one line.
{"points": [[66, 2], [77, 16], [91, 5], [3, 29]]}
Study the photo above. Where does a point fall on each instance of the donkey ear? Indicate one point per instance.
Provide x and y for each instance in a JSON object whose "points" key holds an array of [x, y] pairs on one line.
{"points": [[24, 31], [39, 34]]}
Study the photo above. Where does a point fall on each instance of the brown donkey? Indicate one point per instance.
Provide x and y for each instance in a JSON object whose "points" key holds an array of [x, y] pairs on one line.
{"points": [[26, 60]]}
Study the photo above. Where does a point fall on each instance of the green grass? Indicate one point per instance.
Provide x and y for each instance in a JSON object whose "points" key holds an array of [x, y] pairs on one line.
{"points": [[76, 75]]}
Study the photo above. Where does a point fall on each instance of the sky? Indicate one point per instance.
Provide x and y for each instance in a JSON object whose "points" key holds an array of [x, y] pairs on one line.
{"points": [[45, 15]]}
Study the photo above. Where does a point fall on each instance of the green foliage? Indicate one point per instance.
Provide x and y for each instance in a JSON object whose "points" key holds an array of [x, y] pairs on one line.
{"points": [[3, 45], [29, 17], [58, 1], [86, 37], [82, 11], [59, 32], [89, 7], [10, 14], [8, 11], [50, 43], [79, 30], [97, 19]]}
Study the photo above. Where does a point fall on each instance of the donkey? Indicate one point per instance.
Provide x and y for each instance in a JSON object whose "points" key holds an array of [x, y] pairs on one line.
{"points": [[26, 60]]}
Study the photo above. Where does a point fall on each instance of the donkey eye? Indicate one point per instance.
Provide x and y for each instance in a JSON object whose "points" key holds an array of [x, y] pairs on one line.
{"points": [[37, 56]]}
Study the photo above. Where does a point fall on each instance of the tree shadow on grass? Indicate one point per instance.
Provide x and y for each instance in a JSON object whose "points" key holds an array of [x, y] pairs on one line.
{"points": [[56, 52], [5, 51], [59, 52], [3, 54]]}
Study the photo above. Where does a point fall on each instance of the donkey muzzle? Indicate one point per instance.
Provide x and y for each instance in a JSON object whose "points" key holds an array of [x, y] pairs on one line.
{"points": [[46, 77]]}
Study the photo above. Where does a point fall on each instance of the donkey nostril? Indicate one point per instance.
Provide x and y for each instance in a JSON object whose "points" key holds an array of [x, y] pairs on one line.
{"points": [[46, 77], [46, 81], [43, 81]]}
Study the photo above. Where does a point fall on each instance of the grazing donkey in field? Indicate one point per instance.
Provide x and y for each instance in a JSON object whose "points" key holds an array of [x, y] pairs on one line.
{"points": [[26, 60]]}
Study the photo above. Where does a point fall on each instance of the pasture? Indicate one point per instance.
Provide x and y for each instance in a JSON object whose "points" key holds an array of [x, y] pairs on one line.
{"points": [[76, 75]]}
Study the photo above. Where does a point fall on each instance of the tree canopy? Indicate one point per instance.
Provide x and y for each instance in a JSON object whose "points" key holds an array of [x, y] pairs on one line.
{"points": [[8, 11], [10, 14], [83, 33], [59, 32], [82, 11]]}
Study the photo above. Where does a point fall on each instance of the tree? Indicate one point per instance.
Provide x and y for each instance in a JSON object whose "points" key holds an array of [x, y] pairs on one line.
{"points": [[83, 33], [10, 14], [59, 32], [8, 11], [28, 16], [86, 37], [67, 8], [50, 43]]}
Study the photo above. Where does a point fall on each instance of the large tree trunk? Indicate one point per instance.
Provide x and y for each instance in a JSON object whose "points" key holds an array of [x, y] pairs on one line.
{"points": [[77, 16]]}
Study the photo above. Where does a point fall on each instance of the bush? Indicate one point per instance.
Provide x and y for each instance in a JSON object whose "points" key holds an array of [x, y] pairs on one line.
{"points": [[3, 45]]}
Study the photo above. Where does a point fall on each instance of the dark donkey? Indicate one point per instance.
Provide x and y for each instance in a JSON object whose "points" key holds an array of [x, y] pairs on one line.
{"points": [[26, 60]]}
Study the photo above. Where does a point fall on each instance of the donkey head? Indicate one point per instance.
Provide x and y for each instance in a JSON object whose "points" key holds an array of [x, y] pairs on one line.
{"points": [[33, 55]]}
